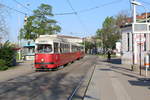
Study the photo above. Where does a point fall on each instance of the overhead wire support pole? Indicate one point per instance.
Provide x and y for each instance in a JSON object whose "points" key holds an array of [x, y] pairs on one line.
{"points": [[134, 12], [134, 43]]}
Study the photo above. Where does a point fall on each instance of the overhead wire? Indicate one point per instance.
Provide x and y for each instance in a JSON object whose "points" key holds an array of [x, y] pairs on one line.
{"points": [[90, 9], [21, 12], [78, 17], [74, 12], [67, 13], [145, 2], [100, 6], [22, 5]]}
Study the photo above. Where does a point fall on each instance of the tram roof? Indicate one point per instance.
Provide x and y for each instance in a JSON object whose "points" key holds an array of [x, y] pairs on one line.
{"points": [[50, 38], [53, 38]]}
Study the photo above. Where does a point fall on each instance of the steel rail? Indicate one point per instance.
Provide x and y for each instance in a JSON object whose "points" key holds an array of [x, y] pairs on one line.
{"points": [[80, 83]]}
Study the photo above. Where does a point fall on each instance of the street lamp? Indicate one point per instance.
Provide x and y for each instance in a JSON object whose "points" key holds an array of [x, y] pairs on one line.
{"points": [[135, 3]]}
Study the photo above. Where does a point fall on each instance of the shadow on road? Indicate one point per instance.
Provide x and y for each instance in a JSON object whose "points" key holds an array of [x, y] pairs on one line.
{"points": [[126, 72], [141, 82], [115, 61], [42, 87]]}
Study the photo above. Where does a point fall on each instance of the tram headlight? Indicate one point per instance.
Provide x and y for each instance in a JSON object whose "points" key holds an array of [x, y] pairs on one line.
{"points": [[42, 60]]}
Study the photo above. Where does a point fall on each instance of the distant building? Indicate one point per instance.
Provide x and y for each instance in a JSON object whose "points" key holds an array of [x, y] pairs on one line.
{"points": [[28, 50]]}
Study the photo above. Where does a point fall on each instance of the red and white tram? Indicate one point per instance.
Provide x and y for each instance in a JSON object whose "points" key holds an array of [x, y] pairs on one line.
{"points": [[52, 52]]}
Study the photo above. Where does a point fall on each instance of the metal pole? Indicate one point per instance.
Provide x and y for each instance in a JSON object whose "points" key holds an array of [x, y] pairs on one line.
{"points": [[19, 42], [134, 43], [134, 13], [140, 57], [84, 43]]}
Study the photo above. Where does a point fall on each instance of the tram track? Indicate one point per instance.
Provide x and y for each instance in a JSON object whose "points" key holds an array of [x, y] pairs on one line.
{"points": [[81, 82], [78, 94], [73, 69], [40, 84]]}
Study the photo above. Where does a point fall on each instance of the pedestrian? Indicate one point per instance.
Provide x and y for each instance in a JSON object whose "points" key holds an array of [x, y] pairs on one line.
{"points": [[108, 55]]}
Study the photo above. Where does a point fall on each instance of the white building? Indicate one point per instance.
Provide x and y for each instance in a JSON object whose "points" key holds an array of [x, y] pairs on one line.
{"points": [[131, 45]]}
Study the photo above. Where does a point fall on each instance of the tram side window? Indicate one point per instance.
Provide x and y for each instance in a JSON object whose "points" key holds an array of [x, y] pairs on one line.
{"points": [[74, 48], [61, 47], [82, 48], [64, 48], [56, 48], [67, 48], [78, 49]]}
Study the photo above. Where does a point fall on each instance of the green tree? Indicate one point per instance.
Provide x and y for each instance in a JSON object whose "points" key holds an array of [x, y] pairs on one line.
{"points": [[88, 46], [122, 18], [109, 33], [40, 23]]}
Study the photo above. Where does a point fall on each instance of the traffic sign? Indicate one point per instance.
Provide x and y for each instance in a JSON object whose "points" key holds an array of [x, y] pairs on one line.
{"points": [[140, 38]]}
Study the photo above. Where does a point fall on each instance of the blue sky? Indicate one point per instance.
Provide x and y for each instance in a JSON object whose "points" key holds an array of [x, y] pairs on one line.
{"points": [[70, 24]]}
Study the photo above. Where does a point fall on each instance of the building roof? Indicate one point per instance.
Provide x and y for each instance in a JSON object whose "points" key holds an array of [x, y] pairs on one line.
{"points": [[140, 18]]}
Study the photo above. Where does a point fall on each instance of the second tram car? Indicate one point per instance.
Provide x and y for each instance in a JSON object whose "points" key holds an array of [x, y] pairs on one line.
{"points": [[52, 52]]}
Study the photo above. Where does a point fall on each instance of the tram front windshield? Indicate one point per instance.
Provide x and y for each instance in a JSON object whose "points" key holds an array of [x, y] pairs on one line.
{"points": [[44, 48]]}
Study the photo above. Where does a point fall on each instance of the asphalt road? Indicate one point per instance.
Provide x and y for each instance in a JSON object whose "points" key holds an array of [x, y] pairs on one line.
{"points": [[52, 85]]}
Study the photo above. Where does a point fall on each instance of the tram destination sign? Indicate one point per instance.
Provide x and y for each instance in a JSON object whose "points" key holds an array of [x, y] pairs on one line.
{"points": [[141, 28]]}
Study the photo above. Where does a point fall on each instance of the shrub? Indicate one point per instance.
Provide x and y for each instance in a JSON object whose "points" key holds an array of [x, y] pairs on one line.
{"points": [[7, 53], [3, 65]]}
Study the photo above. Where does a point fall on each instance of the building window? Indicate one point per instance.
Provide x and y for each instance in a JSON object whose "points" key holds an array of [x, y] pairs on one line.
{"points": [[132, 42], [128, 41], [145, 42]]}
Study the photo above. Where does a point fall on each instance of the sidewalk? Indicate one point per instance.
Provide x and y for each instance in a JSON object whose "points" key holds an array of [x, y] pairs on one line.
{"points": [[22, 69], [117, 82]]}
